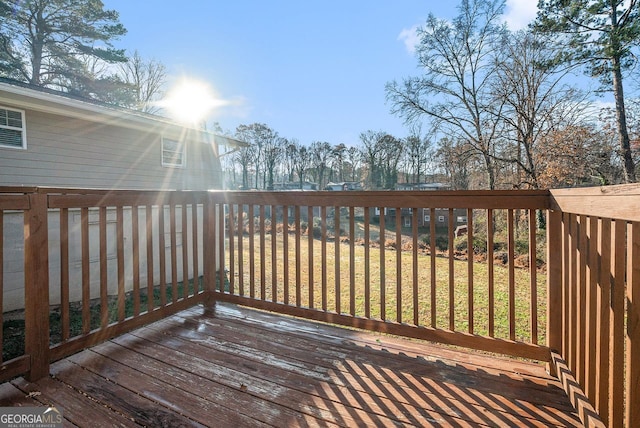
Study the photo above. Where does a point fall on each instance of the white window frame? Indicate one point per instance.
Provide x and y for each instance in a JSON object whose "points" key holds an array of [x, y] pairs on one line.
{"points": [[407, 222], [181, 144], [461, 219], [441, 218], [22, 130]]}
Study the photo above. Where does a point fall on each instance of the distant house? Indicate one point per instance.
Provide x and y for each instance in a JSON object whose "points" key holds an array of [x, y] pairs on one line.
{"points": [[295, 185], [49, 139], [424, 216], [423, 186], [344, 186]]}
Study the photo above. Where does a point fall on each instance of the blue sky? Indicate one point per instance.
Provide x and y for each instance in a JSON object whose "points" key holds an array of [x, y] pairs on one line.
{"points": [[314, 71]]}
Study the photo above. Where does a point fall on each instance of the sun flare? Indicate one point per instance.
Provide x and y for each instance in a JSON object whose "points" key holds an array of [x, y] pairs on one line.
{"points": [[191, 101]]}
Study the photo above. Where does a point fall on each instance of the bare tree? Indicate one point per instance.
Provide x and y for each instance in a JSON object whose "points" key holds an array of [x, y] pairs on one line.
{"points": [[416, 155], [381, 154], [534, 101], [320, 157], [146, 78], [454, 91]]}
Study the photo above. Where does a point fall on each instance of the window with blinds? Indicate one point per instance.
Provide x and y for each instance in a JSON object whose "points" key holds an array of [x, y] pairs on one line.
{"points": [[12, 128], [173, 153]]}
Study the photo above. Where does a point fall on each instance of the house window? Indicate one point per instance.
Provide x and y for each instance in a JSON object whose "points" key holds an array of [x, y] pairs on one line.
{"points": [[12, 129], [461, 219], [407, 222], [173, 153], [441, 218], [427, 218]]}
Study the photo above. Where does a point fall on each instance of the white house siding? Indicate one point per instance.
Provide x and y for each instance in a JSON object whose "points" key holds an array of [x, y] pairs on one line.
{"points": [[14, 253], [70, 152]]}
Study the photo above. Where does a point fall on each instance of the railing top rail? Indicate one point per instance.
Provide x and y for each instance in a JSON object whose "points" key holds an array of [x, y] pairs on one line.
{"points": [[14, 202], [615, 202], [17, 189], [481, 199], [124, 198]]}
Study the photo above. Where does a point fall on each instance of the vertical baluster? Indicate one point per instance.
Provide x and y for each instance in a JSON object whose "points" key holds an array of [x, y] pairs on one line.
{"points": [[135, 252], [432, 260], [398, 264], [382, 239], [120, 261], [533, 278], [310, 255], [162, 256], [261, 243], [414, 264], [367, 263], [352, 262], [581, 355], [64, 272], [149, 240], [470, 269], [285, 253], [231, 228], [252, 248], [104, 286], [222, 277], [632, 397], [323, 222], [452, 283], [590, 308], [241, 250], [512, 281], [336, 259], [603, 304], [274, 255], [194, 242], [185, 248], [490, 273], [297, 258]]}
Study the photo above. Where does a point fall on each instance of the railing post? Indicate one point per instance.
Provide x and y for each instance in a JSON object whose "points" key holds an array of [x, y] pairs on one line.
{"points": [[36, 286], [209, 251], [554, 281]]}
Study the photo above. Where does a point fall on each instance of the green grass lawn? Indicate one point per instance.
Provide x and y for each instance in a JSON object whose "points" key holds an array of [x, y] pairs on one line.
{"points": [[342, 275]]}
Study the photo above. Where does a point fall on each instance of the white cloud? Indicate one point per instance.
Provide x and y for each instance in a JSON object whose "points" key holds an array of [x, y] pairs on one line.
{"points": [[409, 37], [519, 13]]}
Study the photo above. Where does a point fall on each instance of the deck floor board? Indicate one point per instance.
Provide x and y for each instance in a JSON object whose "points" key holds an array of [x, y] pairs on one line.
{"points": [[241, 367]]}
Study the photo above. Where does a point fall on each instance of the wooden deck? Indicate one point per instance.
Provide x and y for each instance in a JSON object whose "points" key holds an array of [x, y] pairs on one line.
{"points": [[242, 367]]}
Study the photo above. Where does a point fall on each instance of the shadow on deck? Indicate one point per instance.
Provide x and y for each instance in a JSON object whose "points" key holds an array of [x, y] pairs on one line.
{"points": [[243, 367]]}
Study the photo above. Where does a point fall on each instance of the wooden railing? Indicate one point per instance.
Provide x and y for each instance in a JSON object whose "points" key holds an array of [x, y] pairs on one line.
{"points": [[99, 263], [109, 261], [18, 203], [596, 280], [336, 257]]}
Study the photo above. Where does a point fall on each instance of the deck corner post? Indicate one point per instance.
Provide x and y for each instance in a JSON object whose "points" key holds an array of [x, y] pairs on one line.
{"points": [[554, 281], [36, 286], [209, 252]]}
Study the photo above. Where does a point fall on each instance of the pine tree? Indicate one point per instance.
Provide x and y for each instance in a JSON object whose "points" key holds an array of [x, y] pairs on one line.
{"points": [[599, 34]]}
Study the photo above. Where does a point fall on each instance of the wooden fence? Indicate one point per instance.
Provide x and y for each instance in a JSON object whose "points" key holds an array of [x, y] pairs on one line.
{"points": [[398, 286], [596, 246], [383, 261], [157, 271]]}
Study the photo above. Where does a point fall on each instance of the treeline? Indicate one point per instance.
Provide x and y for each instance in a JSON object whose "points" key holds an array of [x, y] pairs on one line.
{"points": [[491, 108]]}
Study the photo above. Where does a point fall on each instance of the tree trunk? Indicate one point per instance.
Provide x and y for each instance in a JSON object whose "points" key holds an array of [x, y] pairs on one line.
{"points": [[621, 122]]}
